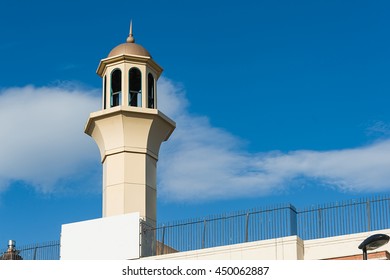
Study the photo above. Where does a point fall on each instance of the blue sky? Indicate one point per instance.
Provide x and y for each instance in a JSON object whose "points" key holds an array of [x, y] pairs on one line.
{"points": [[275, 101]]}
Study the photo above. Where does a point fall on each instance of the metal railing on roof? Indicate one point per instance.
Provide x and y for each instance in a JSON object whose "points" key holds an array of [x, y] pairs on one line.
{"points": [[320, 221], [39, 251], [314, 222]]}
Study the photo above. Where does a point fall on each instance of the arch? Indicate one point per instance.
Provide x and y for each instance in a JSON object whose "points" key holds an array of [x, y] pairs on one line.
{"points": [[151, 102], [135, 87], [116, 87]]}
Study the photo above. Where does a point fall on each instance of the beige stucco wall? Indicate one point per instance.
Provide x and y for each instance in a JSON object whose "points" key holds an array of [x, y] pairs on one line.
{"points": [[339, 246], [287, 248], [129, 140]]}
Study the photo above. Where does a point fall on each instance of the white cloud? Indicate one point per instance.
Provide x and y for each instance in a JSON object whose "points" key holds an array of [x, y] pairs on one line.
{"points": [[201, 162], [42, 141], [43, 145]]}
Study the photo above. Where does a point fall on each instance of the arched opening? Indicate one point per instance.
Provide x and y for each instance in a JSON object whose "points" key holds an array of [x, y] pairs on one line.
{"points": [[150, 91], [135, 87], [116, 87]]}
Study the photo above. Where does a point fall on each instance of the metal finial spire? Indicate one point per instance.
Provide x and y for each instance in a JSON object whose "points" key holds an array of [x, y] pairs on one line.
{"points": [[130, 39]]}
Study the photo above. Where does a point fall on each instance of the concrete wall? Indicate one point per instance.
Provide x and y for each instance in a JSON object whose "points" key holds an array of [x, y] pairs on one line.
{"points": [[339, 246], [110, 238], [287, 248]]}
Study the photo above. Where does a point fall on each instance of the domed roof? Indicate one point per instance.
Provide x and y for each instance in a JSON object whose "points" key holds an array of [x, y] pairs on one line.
{"points": [[130, 47]]}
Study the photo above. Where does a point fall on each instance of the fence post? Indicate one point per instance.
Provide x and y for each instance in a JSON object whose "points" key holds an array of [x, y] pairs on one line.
{"points": [[35, 253], [162, 241], [320, 223], [247, 226], [293, 220], [204, 234], [368, 210]]}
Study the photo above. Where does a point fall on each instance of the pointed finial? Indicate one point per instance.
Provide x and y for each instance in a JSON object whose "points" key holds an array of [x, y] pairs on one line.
{"points": [[130, 39]]}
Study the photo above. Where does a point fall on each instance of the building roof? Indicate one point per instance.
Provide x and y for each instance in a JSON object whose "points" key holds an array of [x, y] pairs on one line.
{"points": [[130, 47]]}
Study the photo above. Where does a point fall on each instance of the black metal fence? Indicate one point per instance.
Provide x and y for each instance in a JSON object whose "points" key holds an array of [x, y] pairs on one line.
{"points": [[41, 251], [272, 222], [344, 218], [226, 229], [314, 222]]}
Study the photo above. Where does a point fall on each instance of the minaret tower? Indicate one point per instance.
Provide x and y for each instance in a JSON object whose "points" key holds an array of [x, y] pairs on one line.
{"points": [[129, 130]]}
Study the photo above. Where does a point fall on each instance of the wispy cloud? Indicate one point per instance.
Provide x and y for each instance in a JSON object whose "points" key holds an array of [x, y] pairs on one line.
{"points": [[379, 129], [42, 144], [202, 162]]}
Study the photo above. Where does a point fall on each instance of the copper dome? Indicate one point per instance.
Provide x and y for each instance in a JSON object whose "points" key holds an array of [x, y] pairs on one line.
{"points": [[129, 49]]}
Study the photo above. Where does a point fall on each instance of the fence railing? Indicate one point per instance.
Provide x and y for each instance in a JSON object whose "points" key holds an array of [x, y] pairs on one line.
{"points": [[41, 251], [314, 222], [272, 222], [344, 218], [225, 229]]}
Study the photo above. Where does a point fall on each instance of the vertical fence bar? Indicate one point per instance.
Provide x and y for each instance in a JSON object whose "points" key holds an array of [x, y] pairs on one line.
{"points": [[204, 234], [293, 220], [319, 221], [368, 212], [247, 226], [162, 241], [35, 253]]}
